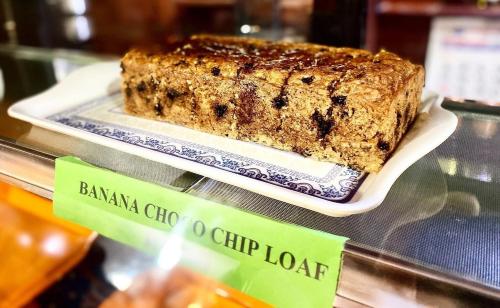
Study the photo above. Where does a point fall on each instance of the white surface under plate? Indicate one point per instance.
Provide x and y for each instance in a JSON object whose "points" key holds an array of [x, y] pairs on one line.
{"points": [[87, 105]]}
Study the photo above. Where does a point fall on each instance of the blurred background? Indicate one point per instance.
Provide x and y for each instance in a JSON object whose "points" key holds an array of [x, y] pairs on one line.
{"points": [[112, 26], [457, 38]]}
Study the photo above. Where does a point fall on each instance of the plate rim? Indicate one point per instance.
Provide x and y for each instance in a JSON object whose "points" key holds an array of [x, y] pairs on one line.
{"points": [[384, 179]]}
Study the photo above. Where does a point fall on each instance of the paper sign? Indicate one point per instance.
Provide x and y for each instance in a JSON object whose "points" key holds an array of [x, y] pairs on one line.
{"points": [[281, 264]]}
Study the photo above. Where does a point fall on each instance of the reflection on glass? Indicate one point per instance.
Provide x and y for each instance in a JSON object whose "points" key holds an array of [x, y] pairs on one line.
{"points": [[54, 244], [75, 7], [448, 165], [484, 175], [246, 29], [171, 252], [485, 129], [478, 172], [77, 28], [24, 239], [463, 204], [120, 280]]}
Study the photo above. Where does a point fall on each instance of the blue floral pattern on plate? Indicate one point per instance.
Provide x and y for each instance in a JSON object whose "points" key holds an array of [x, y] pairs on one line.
{"points": [[338, 185]]}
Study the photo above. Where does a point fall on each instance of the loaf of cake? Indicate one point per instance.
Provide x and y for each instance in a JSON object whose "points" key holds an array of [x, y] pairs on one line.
{"points": [[343, 105]]}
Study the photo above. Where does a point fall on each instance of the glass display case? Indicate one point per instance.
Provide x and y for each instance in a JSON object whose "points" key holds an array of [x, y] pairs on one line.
{"points": [[434, 240]]}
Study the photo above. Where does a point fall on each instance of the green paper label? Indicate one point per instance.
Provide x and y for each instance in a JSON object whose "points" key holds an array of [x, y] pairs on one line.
{"points": [[281, 264]]}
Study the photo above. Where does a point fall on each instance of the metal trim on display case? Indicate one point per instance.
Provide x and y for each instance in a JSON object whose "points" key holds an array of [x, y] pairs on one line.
{"points": [[17, 164]]}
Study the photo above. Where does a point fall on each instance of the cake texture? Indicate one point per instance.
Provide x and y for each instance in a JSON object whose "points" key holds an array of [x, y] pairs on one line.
{"points": [[343, 105]]}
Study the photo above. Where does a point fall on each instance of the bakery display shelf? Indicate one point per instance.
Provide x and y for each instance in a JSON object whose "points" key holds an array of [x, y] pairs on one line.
{"points": [[449, 192]]}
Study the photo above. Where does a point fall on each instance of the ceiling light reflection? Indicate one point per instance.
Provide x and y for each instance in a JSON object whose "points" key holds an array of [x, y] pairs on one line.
{"points": [[54, 244], [171, 252], [75, 7], [24, 239], [121, 281]]}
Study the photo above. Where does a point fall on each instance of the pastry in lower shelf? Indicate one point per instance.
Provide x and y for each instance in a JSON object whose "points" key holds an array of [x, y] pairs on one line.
{"points": [[179, 288]]}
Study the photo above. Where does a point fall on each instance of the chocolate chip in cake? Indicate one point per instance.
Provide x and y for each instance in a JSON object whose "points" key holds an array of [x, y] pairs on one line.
{"points": [[173, 93], [339, 100], [122, 66], [141, 86], [215, 71], [308, 79], [280, 101], [128, 91], [158, 108], [344, 114], [324, 125], [383, 145], [325, 128], [220, 110]]}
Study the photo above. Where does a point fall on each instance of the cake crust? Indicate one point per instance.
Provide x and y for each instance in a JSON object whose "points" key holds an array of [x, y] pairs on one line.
{"points": [[343, 105]]}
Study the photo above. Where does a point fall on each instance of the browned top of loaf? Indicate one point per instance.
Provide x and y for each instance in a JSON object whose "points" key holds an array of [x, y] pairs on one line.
{"points": [[346, 71], [267, 54]]}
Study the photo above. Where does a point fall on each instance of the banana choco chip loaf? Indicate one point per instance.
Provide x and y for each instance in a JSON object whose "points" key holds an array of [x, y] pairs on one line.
{"points": [[343, 105]]}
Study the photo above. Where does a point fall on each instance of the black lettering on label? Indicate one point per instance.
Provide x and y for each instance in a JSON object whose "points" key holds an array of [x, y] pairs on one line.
{"points": [[214, 230], [93, 193], [83, 188], [254, 245], [320, 270], [133, 207], [161, 214], [124, 200], [146, 210], [109, 197], [268, 255], [199, 228], [113, 199], [104, 194], [304, 267], [231, 240], [287, 264], [173, 218], [242, 244]]}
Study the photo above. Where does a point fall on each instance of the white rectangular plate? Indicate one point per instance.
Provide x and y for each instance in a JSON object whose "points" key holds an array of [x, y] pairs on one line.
{"points": [[88, 105]]}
